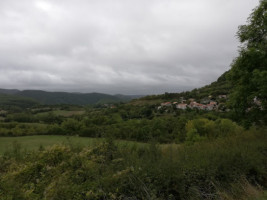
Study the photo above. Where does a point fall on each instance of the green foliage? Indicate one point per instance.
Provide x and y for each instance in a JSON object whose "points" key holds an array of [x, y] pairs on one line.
{"points": [[71, 126], [12, 102], [248, 73], [219, 87], [202, 128], [20, 117], [223, 161], [69, 98], [127, 122], [226, 127], [217, 169], [193, 136], [22, 129], [51, 118]]}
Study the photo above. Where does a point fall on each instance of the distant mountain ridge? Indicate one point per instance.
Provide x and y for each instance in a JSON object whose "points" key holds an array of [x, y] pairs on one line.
{"points": [[9, 100], [220, 87], [9, 91], [44, 97]]}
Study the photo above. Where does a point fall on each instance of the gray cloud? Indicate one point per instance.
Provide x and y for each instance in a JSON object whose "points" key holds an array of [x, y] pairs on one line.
{"points": [[117, 46]]}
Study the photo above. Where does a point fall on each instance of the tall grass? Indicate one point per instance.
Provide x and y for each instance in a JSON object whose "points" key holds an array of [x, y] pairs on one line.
{"points": [[228, 168]]}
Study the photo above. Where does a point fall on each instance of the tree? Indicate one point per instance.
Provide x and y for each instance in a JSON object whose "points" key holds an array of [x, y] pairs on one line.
{"points": [[72, 126], [249, 70]]}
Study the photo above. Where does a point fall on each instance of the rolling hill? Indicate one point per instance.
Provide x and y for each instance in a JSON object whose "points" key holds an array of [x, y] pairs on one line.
{"points": [[221, 86], [26, 97], [44, 97], [7, 100]]}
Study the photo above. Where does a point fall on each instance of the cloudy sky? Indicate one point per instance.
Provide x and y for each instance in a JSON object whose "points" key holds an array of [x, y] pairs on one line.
{"points": [[118, 46]]}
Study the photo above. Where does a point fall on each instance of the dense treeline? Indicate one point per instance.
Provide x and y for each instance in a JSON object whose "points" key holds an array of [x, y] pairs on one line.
{"points": [[24, 97], [15, 103], [127, 122], [249, 72]]}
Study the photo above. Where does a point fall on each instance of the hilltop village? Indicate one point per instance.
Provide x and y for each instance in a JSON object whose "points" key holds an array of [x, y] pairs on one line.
{"points": [[207, 104]]}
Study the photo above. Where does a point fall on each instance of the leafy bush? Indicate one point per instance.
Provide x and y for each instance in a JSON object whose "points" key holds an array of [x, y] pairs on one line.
{"points": [[199, 129], [208, 170]]}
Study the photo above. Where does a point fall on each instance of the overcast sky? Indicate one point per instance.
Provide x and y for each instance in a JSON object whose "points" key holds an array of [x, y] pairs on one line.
{"points": [[118, 46]]}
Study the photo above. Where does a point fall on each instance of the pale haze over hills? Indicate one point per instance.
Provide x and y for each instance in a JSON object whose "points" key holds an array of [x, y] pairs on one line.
{"points": [[118, 47]]}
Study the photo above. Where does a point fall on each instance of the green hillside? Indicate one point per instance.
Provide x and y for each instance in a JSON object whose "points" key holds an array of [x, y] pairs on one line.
{"points": [[9, 91], [219, 87], [68, 98], [7, 100], [54, 98]]}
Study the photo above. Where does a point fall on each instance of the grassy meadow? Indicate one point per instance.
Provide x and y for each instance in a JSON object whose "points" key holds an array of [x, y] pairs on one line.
{"points": [[64, 113], [225, 168], [34, 142], [30, 143]]}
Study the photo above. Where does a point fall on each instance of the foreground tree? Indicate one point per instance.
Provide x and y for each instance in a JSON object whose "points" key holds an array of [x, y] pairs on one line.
{"points": [[249, 70]]}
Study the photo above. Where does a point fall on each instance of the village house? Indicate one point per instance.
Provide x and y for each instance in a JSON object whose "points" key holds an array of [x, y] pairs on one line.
{"points": [[199, 106], [202, 107], [206, 104], [182, 100], [194, 105], [222, 96], [205, 101], [209, 107], [213, 103], [182, 106], [166, 104]]}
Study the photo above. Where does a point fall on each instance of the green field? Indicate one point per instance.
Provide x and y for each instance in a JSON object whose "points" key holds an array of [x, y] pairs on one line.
{"points": [[34, 142], [263, 196], [64, 113]]}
